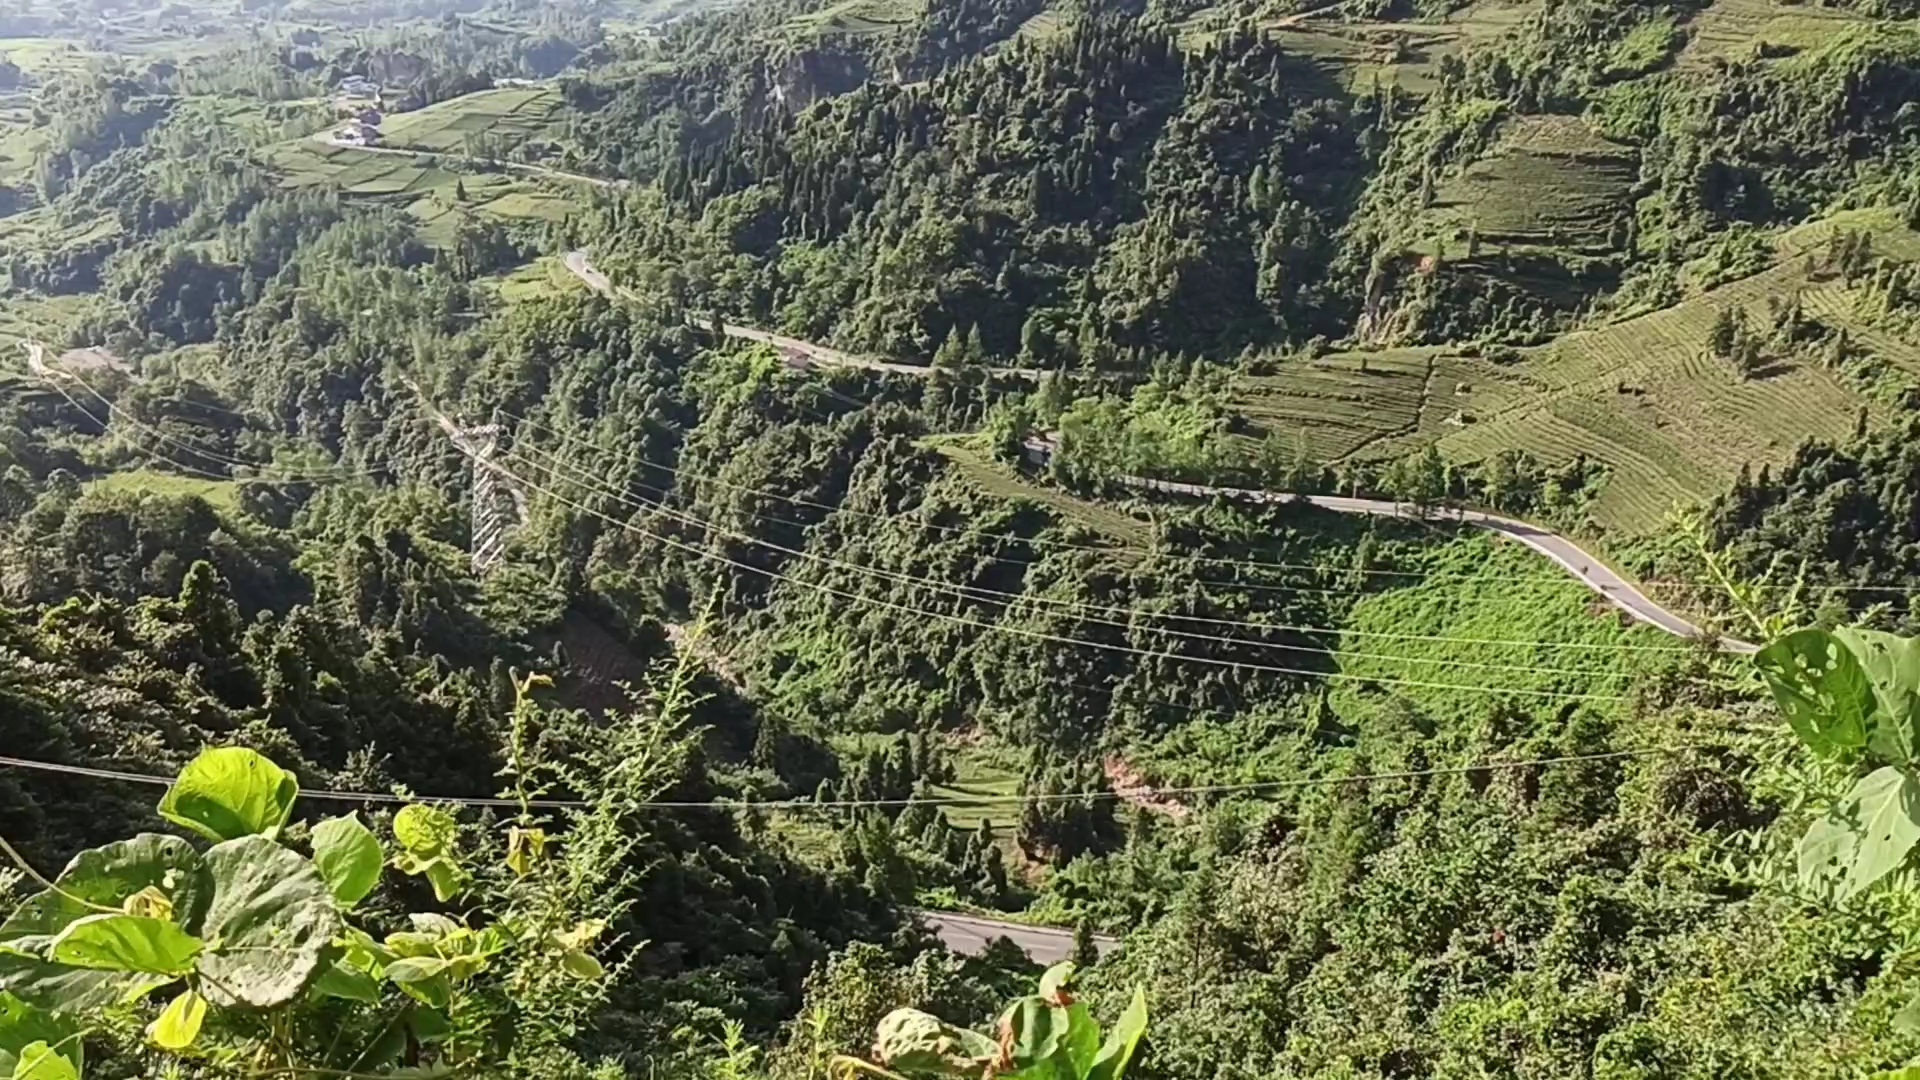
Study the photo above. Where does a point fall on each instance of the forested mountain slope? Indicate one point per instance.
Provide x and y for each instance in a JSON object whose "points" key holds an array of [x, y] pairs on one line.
{"points": [[320, 449]]}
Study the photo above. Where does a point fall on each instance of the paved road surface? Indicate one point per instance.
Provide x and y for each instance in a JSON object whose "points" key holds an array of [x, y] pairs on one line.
{"points": [[325, 138], [582, 267], [969, 935], [1563, 552]]}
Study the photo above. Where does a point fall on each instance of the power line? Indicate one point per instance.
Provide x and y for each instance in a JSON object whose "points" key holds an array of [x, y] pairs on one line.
{"points": [[210, 455], [988, 595], [937, 800], [1037, 634], [688, 474]]}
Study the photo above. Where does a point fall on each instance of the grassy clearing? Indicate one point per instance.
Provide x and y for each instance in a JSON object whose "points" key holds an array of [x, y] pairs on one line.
{"points": [[1348, 403], [542, 277], [1000, 480], [984, 769], [509, 116], [1549, 182], [1490, 590], [28, 316], [1676, 426], [219, 494]]}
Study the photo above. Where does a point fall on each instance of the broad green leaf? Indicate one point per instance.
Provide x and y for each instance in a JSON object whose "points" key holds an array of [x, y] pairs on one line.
{"points": [[1888, 812], [446, 878], [1032, 1031], [230, 792], [1827, 854], [125, 943], [426, 836], [348, 856], [425, 832], [102, 877], [909, 1040], [1082, 1042], [1117, 1052], [271, 919], [423, 978], [429, 1025], [179, 1023], [415, 969], [43, 1061], [1054, 983], [22, 1024], [340, 981], [1907, 1020], [1908, 1072], [1892, 665], [581, 966], [1821, 687]]}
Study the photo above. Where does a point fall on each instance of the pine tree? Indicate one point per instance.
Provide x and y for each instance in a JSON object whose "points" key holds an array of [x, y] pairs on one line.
{"points": [[1085, 952], [1725, 333]]}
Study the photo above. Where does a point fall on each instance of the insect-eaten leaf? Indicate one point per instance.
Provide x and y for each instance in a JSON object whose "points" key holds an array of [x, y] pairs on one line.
{"points": [[1866, 837], [178, 1025], [1821, 687], [125, 943], [271, 919], [348, 856], [909, 1040], [103, 877], [1892, 666], [230, 792]]}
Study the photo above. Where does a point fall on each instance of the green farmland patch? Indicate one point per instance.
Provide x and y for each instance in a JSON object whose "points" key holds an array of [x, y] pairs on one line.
{"points": [[485, 123]]}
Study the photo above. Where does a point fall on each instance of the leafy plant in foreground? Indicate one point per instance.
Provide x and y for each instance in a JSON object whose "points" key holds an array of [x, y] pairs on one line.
{"points": [[1853, 696], [1044, 1036], [263, 962]]}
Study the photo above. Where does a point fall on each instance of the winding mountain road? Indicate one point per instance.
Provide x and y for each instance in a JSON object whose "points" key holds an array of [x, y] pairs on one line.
{"points": [[806, 353], [1564, 553], [969, 935]]}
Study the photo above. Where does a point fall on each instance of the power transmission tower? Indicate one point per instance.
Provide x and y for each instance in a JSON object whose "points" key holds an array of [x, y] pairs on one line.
{"points": [[499, 506]]}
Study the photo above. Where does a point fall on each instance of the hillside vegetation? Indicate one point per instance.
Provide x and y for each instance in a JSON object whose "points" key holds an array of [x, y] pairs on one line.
{"points": [[544, 667]]}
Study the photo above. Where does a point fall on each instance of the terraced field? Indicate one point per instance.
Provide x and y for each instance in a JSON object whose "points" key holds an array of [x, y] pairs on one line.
{"points": [[1731, 29], [1350, 403], [1355, 53], [1674, 424], [428, 189], [996, 479], [1548, 182], [510, 116], [857, 17]]}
